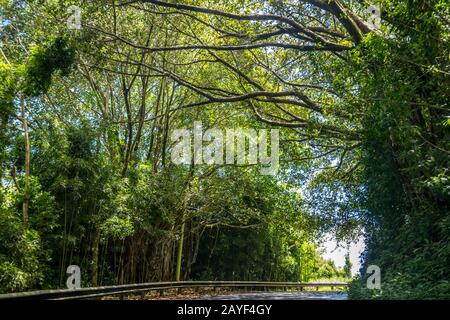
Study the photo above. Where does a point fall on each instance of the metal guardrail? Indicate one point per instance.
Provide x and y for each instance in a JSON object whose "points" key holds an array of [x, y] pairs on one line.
{"points": [[143, 288]]}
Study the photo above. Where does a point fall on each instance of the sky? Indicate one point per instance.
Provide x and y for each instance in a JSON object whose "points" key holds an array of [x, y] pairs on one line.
{"points": [[337, 253]]}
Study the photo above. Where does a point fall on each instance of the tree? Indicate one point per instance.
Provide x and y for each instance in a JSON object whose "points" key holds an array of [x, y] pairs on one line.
{"points": [[347, 266]]}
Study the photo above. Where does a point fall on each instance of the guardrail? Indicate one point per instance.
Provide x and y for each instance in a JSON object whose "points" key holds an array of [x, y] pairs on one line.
{"points": [[144, 288]]}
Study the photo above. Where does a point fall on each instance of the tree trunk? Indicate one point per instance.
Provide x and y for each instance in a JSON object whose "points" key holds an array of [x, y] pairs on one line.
{"points": [[180, 252], [95, 244], [26, 198]]}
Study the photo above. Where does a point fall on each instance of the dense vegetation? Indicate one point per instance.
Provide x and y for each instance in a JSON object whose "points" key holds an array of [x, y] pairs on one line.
{"points": [[406, 154], [86, 118]]}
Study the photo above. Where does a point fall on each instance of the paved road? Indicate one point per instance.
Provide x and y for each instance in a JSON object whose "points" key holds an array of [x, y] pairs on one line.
{"points": [[281, 296]]}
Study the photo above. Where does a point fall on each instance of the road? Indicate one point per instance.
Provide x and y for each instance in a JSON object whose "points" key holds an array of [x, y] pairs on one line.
{"points": [[305, 295]]}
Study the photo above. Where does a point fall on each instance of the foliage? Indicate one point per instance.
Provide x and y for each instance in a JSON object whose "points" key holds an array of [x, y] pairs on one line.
{"points": [[406, 152], [57, 55], [21, 256], [6, 108]]}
